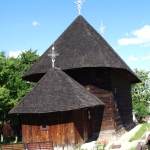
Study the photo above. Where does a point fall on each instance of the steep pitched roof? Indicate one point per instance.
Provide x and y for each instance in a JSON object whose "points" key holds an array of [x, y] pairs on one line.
{"points": [[79, 46], [56, 91]]}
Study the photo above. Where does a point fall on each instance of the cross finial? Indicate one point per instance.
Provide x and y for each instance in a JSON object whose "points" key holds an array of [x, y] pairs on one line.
{"points": [[53, 55], [79, 4], [102, 29]]}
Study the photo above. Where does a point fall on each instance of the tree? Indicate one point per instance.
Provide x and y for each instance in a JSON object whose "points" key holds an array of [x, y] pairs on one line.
{"points": [[4, 91], [141, 93], [12, 87]]}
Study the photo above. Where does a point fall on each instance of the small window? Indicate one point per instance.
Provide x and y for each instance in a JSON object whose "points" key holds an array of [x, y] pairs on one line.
{"points": [[44, 126]]}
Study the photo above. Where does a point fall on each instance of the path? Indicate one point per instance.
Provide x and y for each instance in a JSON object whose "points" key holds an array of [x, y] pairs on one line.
{"points": [[123, 141]]}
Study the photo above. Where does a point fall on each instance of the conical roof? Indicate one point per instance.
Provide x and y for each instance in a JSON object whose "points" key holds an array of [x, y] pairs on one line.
{"points": [[56, 91], [80, 45]]}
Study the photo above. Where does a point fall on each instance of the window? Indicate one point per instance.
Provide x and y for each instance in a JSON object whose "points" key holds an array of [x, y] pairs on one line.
{"points": [[44, 126]]}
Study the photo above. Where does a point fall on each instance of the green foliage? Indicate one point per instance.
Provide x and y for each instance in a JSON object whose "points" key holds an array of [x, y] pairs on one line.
{"points": [[79, 146], [139, 134], [141, 92], [133, 148], [141, 109], [10, 140], [12, 87], [99, 147]]}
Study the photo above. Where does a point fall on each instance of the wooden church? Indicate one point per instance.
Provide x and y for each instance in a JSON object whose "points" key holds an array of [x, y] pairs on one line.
{"points": [[86, 95]]}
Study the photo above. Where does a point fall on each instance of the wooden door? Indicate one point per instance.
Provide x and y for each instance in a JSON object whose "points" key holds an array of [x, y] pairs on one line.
{"points": [[87, 124]]}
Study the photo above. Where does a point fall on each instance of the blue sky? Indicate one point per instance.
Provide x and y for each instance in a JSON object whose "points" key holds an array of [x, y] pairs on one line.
{"points": [[36, 24]]}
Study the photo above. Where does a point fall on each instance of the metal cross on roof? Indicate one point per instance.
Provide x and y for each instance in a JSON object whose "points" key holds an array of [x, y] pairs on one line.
{"points": [[102, 29], [79, 4], [53, 55]]}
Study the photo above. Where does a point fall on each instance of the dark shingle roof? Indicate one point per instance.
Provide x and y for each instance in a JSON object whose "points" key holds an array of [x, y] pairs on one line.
{"points": [[79, 46], [56, 91]]}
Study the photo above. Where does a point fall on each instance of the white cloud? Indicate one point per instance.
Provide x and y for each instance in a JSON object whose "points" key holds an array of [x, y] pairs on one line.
{"points": [[128, 41], [141, 36], [146, 57], [143, 33], [132, 58], [35, 23], [15, 54]]}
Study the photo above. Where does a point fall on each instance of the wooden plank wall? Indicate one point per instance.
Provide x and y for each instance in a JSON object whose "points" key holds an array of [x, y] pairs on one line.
{"points": [[96, 118], [101, 87], [78, 120], [121, 88], [67, 128], [60, 129], [98, 82]]}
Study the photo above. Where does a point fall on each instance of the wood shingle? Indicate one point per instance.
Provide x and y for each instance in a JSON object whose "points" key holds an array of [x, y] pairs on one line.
{"points": [[56, 91], [79, 46]]}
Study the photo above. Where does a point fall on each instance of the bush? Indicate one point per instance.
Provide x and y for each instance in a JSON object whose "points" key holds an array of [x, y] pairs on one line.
{"points": [[141, 110]]}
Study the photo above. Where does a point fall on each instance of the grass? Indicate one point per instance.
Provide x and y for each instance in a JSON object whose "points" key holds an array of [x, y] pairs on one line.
{"points": [[133, 148], [139, 134], [10, 140]]}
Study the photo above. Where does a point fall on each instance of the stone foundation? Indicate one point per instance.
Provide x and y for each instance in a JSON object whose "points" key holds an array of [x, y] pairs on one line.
{"points": [[113, 134]]}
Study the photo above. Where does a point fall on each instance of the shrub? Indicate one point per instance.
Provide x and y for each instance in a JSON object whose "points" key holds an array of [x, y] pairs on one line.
{"points": [[141, 110]]}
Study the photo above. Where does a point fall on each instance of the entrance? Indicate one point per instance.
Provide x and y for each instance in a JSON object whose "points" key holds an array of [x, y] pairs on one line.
{"points": [[87, 124]]}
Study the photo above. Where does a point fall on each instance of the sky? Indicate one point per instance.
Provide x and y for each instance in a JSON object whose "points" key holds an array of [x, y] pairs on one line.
{"points": [[36, 24]]}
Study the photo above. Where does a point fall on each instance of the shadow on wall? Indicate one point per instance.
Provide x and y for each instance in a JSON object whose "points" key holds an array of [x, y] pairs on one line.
{"points": [[10, 130]]}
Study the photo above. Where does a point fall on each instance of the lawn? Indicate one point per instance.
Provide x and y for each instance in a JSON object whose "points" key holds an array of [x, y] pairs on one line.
{"points": [[140, 134]]}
